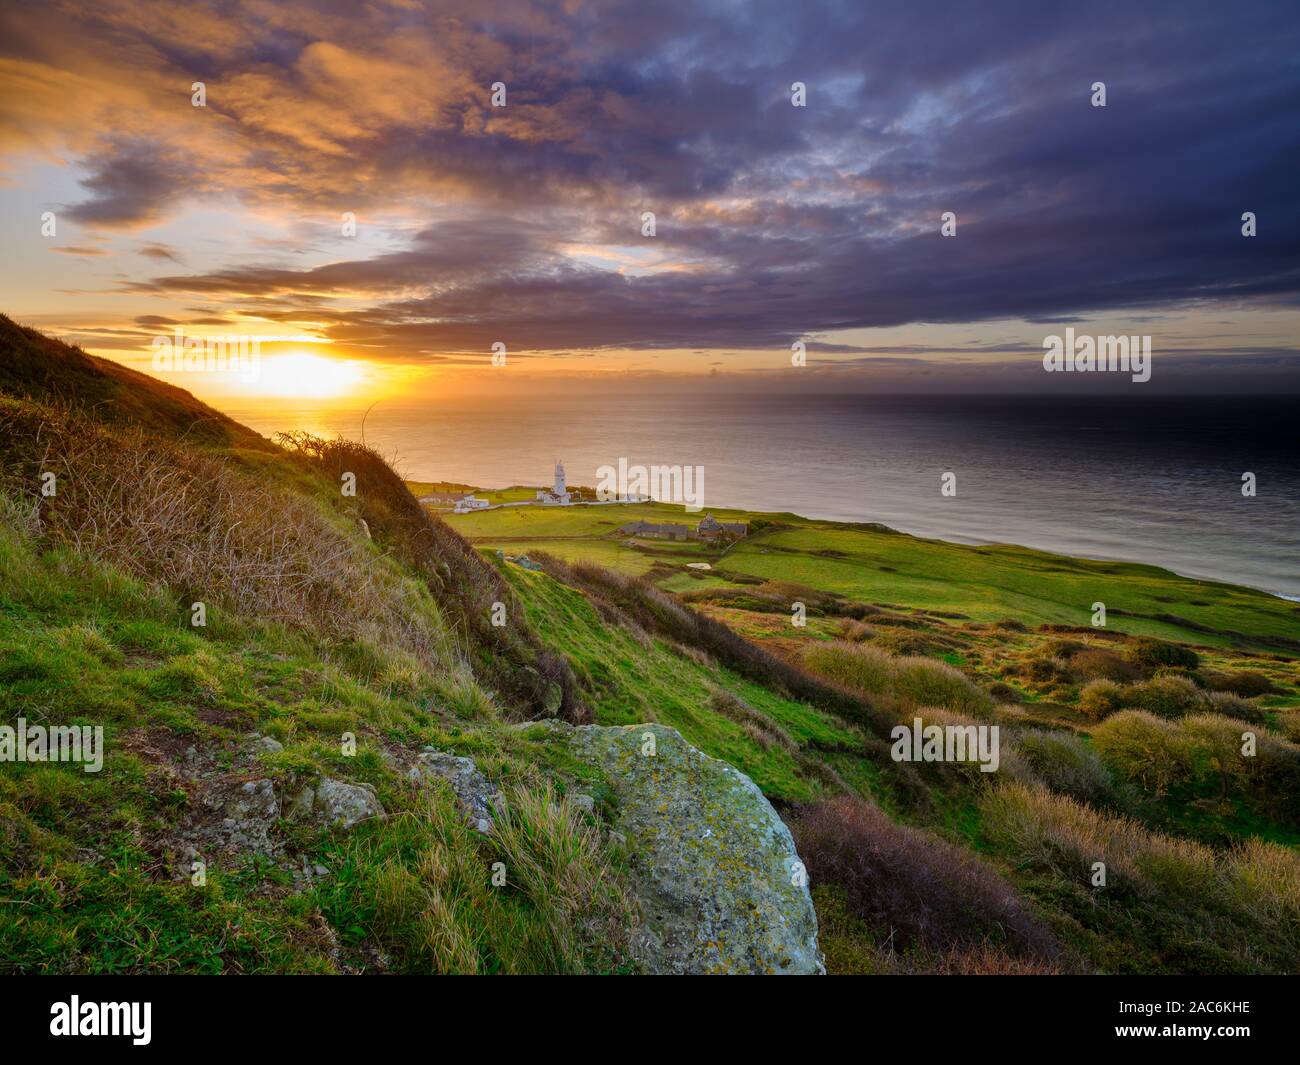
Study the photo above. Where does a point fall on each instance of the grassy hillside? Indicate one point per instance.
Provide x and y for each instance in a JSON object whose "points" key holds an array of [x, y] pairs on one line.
{"points": [[784, 745], [1121, 744], [342, 634], [339, 634], [34, 366]]}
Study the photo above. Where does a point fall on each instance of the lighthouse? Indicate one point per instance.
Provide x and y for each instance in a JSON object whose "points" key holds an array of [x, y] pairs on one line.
{"points": [[558, 494]]}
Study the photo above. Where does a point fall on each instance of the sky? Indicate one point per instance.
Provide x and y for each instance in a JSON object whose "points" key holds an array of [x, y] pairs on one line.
{"points": [[774, 225]]}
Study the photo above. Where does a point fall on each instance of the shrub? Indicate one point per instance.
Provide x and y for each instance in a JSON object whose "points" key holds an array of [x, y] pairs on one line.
{"points": [[1230, 705], [1203, 755], [1056, 831], [1060, 648], [1004, 692], [1101, 698], [1186, 906], [1095, 663], [855, 631], [1269, 779], [1046, 671], [1288, 723], [907, 883], [1166, 696], [926, 682], [1267, 878], [1152, 654], [904, 641], [1240, 682], [1146, 750], [858, 666], [1066, 764]]}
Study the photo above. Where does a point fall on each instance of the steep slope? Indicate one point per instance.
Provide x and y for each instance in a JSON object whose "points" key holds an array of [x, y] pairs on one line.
{"points": [[34, 366], [270, 683]]}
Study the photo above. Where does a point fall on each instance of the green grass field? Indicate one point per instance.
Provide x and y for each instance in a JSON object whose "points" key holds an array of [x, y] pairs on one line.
{"points": [[874, 565]]}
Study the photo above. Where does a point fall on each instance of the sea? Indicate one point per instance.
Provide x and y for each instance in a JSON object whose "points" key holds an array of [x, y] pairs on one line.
{"points": [[1154, 479]]}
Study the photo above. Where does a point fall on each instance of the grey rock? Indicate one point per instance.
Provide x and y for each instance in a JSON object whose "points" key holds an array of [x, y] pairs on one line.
{"points": [[264, 743], [712, 863], [254, 800], [476, 797], [244, 812], [585, 803], [333, 802]]}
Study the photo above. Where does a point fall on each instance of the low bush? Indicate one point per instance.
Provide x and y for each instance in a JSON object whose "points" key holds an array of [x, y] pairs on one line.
{"points": [[912, 886], [1204, 755], [914, 681], [1240, 682], [1067, 764], [1150, 752], [1096, 663], [1101, 698], [1150, 654], [926, 682], [858, 666], [1230, 705], [1167, 696]]}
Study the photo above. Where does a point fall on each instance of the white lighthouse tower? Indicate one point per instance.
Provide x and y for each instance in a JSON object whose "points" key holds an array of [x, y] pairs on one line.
{"points": [[559, 492]]}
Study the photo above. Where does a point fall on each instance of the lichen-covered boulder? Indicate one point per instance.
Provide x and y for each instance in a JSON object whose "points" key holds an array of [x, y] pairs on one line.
{"points": [[334, 802], [721, 886]]}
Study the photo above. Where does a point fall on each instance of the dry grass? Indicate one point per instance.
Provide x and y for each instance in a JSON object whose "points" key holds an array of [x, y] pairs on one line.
{"points": [[1168, 904], [912, 681], [509, 658], [855, 665], [1058, 832], [428, 884], [1066, 764], [194, 521], [758, 726]]}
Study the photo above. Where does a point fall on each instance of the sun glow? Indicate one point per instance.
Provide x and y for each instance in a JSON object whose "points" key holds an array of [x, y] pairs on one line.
{"points": [[306, 376]]}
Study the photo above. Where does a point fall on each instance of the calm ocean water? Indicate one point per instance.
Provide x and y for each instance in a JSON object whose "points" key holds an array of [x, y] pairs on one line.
{"points": [[1149, 480]]}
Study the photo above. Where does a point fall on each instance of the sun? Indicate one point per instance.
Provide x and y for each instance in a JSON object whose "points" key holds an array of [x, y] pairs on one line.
{"points": [[304, 376]]}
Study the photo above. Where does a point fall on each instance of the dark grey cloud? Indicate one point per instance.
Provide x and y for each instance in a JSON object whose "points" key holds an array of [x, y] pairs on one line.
{"points": [[778, 222], [130, 185]]}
